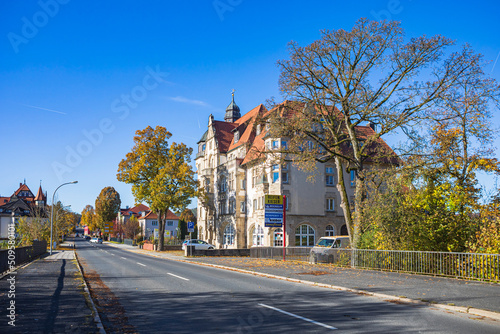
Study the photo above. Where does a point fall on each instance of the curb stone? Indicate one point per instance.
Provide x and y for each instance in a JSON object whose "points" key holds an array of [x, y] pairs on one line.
{"points": [[97, 319]]}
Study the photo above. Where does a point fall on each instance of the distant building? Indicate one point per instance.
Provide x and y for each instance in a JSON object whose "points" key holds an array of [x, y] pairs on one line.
{"points": [[22, 203], [149, 223], [148, 220], [237, 179]]}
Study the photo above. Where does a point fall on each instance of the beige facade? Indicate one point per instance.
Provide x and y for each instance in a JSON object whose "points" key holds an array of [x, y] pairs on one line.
{"points": [[236, 182]]}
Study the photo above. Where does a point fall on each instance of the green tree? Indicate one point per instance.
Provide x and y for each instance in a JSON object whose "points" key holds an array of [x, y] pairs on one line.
{"points": [[160, 173], [352, 78], [107, 206]]}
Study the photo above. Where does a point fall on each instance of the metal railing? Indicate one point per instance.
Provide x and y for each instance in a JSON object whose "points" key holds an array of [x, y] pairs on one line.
{"points": [[291, 253], [21, 254], [484, 267]]}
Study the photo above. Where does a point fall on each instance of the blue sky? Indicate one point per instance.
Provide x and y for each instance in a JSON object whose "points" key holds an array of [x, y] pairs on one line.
{"points": [[78, 78]]}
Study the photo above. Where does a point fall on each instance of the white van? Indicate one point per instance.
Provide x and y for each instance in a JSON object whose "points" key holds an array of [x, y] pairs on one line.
{"points": [[329, 249]]}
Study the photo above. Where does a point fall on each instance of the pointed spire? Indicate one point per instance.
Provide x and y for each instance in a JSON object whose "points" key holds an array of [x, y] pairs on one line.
{"points": [[40, 195], [232, 111]]}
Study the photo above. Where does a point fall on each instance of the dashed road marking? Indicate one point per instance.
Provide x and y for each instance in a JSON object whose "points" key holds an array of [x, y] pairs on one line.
{"points": [[186, 279]]}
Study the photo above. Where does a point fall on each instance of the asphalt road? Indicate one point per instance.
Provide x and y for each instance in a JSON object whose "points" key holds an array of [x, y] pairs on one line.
{"points": [[164, 296]]}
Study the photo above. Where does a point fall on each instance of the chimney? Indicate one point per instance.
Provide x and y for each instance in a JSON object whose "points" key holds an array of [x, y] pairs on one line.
{"points": [[373, 126]]}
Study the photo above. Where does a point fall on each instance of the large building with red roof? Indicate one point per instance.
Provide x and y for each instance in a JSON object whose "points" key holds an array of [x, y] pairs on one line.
{"points": [[236, 176], [22, 203]]}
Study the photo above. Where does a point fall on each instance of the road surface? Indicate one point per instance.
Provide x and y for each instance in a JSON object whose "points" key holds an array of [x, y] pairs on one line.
{"points": [[152, 295]]}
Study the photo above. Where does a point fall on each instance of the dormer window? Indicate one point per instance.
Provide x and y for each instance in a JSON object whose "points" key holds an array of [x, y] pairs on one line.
{"points": [[236, 136]]}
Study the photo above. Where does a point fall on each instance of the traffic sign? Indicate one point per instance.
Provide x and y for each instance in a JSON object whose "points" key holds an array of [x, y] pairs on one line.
{"points": [[190, 227], [273, 211]]}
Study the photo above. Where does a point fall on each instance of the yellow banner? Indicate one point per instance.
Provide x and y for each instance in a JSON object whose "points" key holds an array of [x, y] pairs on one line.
{"points": [[274, 199]]}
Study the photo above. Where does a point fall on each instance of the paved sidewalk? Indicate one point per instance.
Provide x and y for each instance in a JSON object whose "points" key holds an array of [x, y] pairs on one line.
{"points": [[449, 292], [47, 297]]}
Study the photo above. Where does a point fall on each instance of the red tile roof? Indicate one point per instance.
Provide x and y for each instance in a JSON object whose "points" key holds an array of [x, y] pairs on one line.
{"points": [[40, 196], [152, 215], [246, 126], [223, 133], [22, 187]]}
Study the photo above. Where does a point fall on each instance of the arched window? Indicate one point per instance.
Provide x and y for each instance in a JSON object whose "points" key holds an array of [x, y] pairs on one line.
{"points": [[278, 238], [343, 230], [229, 235], [330, 231], [304, 235], [258, 236]]}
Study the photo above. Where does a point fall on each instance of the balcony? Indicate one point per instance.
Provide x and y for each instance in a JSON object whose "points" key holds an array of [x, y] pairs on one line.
{"points": [[206, 172], [200, 154]]}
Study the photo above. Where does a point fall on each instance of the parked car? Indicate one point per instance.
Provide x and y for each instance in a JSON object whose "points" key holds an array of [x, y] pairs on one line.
{"points": [[198, 244], [329, 249], [96, 240], [87, 237]]}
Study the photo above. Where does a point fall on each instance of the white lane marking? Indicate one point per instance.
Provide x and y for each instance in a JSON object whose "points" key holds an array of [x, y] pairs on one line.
{"points": [[186, 279], [141, 264], [112, 254], [298, 316], [124, 258]]}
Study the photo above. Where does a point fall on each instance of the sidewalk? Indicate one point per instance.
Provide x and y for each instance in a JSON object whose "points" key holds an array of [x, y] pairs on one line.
{"points": [[453, 294], [46, 296]]}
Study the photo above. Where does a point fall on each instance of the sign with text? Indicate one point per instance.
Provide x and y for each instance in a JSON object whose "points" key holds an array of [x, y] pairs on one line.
{"points": [[273, 211], [108, 227], [190, 227]]}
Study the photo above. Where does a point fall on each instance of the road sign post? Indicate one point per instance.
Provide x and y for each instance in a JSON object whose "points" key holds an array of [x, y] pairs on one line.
{"points": [[284, 226]]}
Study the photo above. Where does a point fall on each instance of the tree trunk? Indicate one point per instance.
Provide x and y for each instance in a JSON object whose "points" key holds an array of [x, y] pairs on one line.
{"points": [[161, 231], [344, 199]]}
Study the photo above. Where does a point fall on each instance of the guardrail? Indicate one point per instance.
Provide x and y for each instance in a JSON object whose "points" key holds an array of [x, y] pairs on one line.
{"points": [[484, 267], [21, 254]]}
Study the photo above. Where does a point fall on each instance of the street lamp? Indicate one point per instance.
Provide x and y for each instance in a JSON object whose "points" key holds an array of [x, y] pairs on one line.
{"points": [[52, 212]]}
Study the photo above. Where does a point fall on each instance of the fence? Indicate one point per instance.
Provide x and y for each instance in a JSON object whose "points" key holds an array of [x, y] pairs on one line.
{"points": [[22, 254], [484, 267]]}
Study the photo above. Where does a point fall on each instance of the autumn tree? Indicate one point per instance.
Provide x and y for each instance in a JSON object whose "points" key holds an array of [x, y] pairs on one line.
{"points": [[107, 206], [36, 226], [186, 216], [88, 217], [441, 208], [352, 78], [131, 227], [160, 173]]}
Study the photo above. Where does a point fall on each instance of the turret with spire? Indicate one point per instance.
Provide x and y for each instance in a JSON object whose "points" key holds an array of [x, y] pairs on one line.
{"points": [[232, 111]]}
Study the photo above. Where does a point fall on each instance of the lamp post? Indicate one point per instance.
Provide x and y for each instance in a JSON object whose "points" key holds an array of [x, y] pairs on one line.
{"points": [[52, 212]]}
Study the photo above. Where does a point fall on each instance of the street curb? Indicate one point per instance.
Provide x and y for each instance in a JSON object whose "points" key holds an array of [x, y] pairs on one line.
{"points": [[388, 298], [97, 318]]}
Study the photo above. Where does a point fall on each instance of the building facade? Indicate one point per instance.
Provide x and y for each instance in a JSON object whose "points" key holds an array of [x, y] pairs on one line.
{"points": [[22, 203], [236, 179]]}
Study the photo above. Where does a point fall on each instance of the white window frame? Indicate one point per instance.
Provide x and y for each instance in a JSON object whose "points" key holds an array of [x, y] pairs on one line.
{"points": [[330, 204], [258, 236], [229, 233], [330, 231], [305, 236]]}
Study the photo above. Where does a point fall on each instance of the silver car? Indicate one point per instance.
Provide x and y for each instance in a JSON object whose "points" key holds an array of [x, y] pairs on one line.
{"points": [[198, 244]]}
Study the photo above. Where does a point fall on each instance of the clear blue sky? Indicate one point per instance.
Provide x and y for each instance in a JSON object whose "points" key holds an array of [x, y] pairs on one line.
{"points": [[65, 72]]}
